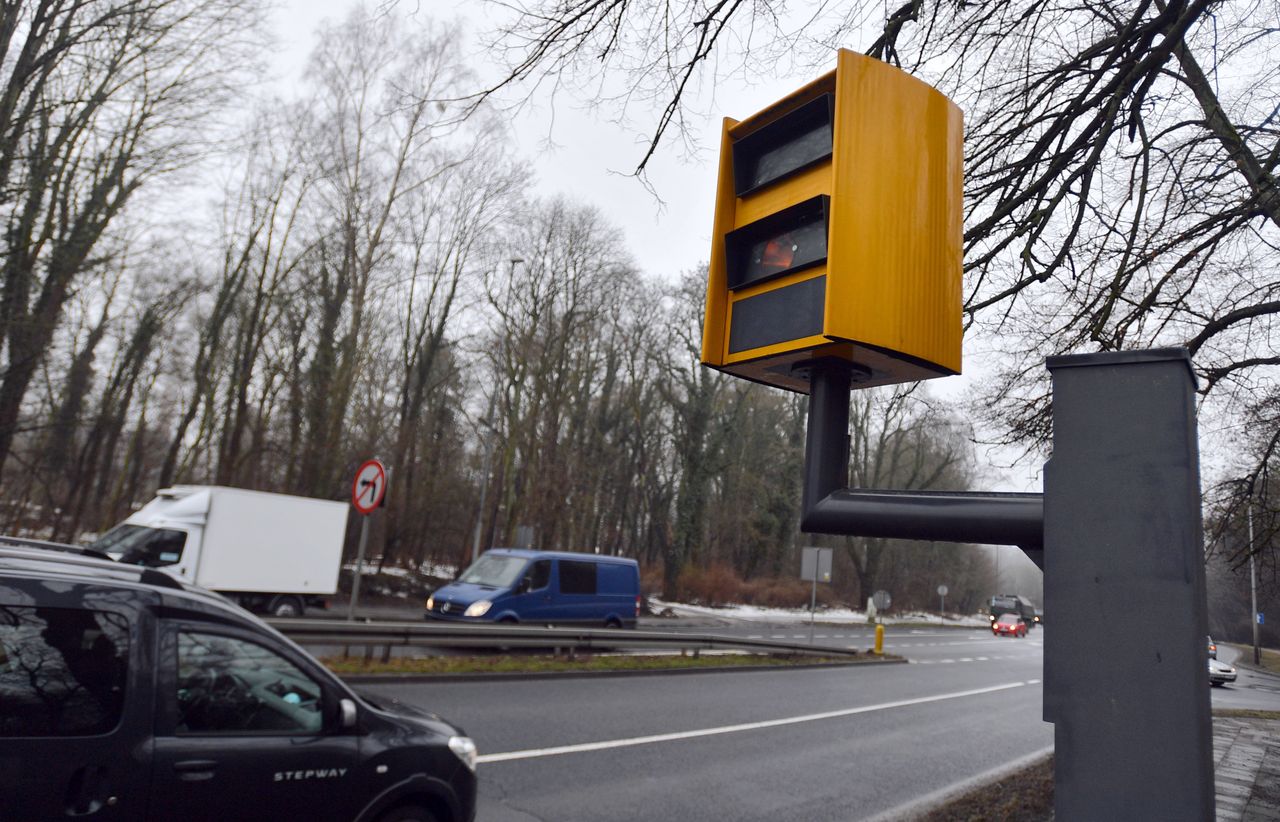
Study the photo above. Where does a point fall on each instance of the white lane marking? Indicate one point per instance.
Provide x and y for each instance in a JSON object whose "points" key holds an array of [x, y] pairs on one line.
{"points": [[535, 753]]}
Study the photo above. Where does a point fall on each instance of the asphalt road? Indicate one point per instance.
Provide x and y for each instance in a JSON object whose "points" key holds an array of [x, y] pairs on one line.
{"points": [[827, 744], [1252, 690]]}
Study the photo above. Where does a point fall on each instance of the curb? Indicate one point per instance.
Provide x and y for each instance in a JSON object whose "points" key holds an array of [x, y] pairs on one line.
{"points": [[376, 679], [921, 806]]}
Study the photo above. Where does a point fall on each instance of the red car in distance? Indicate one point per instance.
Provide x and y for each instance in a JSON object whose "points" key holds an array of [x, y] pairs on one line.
{"points": [[1009, 625]]}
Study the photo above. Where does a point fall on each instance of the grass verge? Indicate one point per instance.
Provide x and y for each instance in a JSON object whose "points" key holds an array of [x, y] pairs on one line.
{"points": [[1270, 657], [1243, 713], [1024, 796], [519, 664]]}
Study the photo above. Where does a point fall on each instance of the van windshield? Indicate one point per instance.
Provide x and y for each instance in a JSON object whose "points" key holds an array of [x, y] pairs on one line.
{"points": [[494, 571], [140, 545]]}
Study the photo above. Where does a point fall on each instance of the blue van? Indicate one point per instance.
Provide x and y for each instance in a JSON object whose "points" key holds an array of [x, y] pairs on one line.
{"points": [[517, 585]]}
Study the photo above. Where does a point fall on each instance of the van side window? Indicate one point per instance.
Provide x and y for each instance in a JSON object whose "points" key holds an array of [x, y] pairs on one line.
{"points": [[577, 577], [62, 671], [539, 575], [229, 685]]}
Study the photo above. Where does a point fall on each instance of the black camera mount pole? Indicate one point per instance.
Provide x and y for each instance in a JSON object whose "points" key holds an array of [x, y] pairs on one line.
{"points": [[829, 507]]}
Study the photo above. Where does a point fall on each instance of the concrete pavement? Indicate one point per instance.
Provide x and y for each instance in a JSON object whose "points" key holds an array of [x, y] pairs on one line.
{"points": [[1246, 747], [1246, 755]]}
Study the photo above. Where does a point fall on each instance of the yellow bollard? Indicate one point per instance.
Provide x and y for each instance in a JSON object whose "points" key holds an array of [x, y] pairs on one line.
{"points": [[879, 640]]}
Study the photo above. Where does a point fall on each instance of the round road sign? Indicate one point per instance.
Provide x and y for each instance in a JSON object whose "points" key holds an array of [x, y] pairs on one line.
{"points": [[881, 600], [942, 590], [369, 487]]}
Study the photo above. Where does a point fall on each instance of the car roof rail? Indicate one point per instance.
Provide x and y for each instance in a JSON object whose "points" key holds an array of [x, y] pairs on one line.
{"points": [[82, 550], [150, 576]]}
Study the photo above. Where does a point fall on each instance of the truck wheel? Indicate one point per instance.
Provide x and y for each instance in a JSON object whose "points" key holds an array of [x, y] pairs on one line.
{"points": [[286, 607], [408, 813]]}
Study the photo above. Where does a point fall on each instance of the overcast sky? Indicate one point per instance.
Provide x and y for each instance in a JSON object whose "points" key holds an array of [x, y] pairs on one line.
{"points": [[590, 162]]}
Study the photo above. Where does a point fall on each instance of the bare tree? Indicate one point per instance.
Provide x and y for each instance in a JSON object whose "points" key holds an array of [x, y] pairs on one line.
{"points": [[703, 408], [551, 335], [899, 441], [98, 98]]}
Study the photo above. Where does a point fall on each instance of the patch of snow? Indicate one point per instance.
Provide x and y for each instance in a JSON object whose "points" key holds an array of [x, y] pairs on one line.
{"points": [[759, 614], [438, 570]]}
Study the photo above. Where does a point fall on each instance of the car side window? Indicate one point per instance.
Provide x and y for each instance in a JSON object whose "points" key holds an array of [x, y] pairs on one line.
{"points": [[539, 575], [577, 577], [231, 685], [62, 671]]}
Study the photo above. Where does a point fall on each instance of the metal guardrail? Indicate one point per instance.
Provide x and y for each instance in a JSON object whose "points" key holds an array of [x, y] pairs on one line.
{"points": [[388, 635]]}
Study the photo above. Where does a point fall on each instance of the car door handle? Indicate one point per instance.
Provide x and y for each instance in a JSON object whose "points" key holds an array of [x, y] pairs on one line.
{"points": [[195, 770]]}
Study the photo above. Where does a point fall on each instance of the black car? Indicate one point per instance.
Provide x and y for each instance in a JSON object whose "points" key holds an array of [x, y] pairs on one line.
{"points": [[125, 694]]}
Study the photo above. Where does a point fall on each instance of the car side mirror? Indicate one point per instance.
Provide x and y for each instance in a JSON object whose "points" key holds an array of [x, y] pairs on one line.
{"points": [[346, 714]]}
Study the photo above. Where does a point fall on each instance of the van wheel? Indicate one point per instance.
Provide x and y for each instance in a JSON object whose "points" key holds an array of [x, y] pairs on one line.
{"points": [[408, 813], [286, 607], [613, 622]]}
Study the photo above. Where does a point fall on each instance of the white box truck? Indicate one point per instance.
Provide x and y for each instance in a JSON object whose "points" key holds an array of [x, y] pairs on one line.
{"points": [[272, 553]]}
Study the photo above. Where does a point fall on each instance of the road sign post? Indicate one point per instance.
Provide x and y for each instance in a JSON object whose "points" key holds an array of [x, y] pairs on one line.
{"points": [[942, 600], [815, 566], [368, 490]]}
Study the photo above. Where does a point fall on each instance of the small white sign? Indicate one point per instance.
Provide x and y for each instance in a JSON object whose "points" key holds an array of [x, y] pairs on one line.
{"points": [[815, 565]]}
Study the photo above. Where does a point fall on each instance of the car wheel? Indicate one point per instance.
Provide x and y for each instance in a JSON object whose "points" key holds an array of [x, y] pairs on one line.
{"points": [[286, 607], [408, 813], [613, 622]]}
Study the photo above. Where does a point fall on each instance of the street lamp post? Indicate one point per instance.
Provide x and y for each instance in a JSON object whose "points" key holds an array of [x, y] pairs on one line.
{"points": [[1253, 587]]}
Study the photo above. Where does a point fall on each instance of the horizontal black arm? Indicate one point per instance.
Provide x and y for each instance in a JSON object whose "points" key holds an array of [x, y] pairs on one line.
{"points": [[944, 516]]}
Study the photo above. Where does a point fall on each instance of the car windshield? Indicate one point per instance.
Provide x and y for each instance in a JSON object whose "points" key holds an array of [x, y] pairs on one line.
{"points": [[140, 545], [494, 571], [1008, 619]]}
